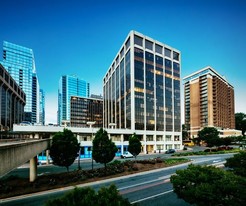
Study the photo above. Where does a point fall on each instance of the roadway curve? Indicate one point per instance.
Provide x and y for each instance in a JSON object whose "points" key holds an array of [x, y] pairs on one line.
{"points": [[146, 188]]}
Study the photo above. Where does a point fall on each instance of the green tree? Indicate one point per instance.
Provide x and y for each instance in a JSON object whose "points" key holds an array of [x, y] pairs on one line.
{"points": [[210, 135], [226, 141], [64, 148], [209, 186], [196, 141], [237, 163], [236, 139], [134, 145], [110, 196], [240, 122], [103, 148], [185, 134], [87, 196]]}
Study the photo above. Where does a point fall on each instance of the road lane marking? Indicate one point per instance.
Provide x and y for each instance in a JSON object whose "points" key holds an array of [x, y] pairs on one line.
{"points": [[151, 197], [41, 193], [167, 180], [143, 187], [147, 182], [218, 160]]}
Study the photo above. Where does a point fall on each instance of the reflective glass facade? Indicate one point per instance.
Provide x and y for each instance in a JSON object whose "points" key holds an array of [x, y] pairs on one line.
{"points": [[159, 66], [42, 107], [70, 86], [19, 62], [142, 87], [12, 101], [139, 88], [85, 110]]}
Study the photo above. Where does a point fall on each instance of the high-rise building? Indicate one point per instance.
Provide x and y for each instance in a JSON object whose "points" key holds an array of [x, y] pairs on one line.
{"points": [[42, 107], [84, 110], [96, 96], [141, 92], [12, 101], [70, 85], [19, 62], [209, 101]]}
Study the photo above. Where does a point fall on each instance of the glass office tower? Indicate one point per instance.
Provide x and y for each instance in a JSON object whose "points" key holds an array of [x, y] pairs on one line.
{"points": [[141, 91], [42, 107], [19, 62], [70, 86], [85, 110], [12, 101]]}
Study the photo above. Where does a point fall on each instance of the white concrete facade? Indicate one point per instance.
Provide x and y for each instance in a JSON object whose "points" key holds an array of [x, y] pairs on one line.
{"points": [[85, 136]]}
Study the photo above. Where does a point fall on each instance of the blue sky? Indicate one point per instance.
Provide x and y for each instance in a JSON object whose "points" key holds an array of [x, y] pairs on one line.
{"points": [[83, 37]]}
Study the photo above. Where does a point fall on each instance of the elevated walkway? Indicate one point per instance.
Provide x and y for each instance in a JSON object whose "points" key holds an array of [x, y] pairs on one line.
{"points": [[13, 155]]}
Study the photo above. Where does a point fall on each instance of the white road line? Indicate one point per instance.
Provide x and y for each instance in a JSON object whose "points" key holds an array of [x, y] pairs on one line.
{"points": [[157, 195], [167, 180], [143, 183], [102, 182]]}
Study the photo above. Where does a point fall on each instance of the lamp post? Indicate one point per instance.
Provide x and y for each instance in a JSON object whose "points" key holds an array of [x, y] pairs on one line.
{"points": [[91, 124], [112, 125], [79, 158]]}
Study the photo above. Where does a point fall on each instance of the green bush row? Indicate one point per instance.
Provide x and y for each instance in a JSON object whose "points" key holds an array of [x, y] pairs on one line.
{"points": [[173, 161], [205, 153]]}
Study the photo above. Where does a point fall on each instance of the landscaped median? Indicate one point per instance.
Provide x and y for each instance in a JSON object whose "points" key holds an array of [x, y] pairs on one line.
{"points": [[206, 152], [13, 186]]}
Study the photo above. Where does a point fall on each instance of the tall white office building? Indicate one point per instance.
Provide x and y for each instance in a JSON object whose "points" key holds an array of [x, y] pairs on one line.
{"points": [[141, 92]]}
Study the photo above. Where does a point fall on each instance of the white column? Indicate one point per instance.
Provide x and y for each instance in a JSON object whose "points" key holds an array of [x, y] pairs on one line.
{"points": [[132, 81], [155, 147], [122, 143], [33, 169], [145, 144], [47, 156]]}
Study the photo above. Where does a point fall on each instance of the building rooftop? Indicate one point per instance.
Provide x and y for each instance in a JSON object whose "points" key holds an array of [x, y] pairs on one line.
{"points": [[206, 70]]}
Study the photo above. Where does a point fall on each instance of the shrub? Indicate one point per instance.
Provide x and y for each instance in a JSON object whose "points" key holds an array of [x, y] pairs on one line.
{"points": [[175, 161], [201, 185], [115, 162], [88, 196]]}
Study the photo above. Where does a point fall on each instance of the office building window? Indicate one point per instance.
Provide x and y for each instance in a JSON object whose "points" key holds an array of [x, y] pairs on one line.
{"points": [[176, 56], [138, 40], [148, 45], [158, 49], [168, 138], [167, 52]]}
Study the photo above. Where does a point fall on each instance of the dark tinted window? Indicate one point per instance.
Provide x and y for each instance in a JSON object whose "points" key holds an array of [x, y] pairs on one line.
{"points": [[176, 55], [158, 49], [167, 52], [149, 45], [138, 40]]}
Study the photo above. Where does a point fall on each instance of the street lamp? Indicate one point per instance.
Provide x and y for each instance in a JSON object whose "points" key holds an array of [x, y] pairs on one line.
{"points": [[112, 125], [79, 158], [91, 124]]}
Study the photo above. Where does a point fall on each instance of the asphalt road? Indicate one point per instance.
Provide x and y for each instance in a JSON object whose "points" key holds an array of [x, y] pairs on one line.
{"points": [[147, 188], [86, 164]]}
